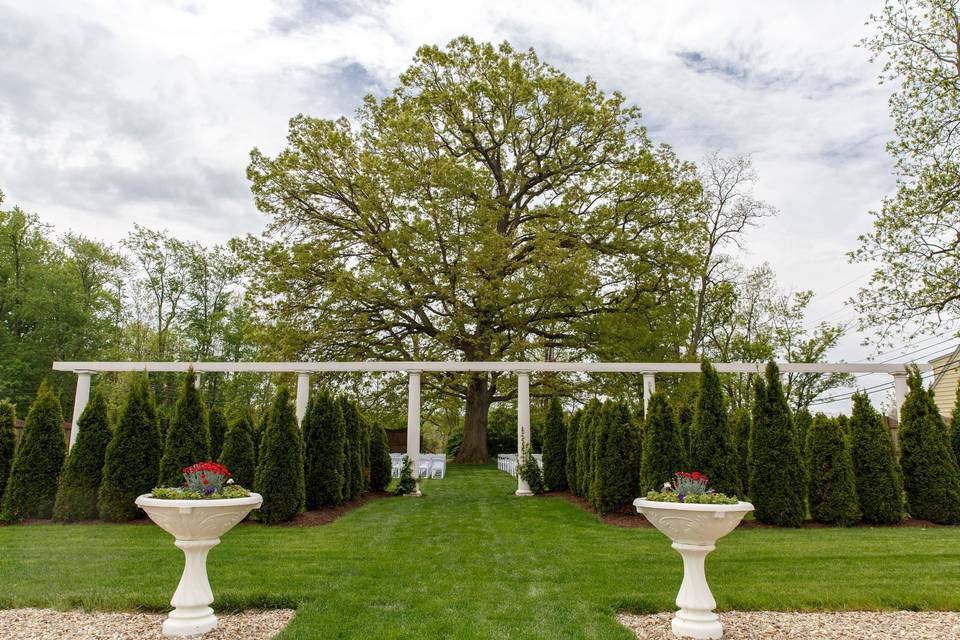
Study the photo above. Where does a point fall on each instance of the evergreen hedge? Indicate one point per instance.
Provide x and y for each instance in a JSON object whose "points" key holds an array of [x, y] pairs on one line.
{"points": [[8, 442], [132, 459], [877, 475], [217, 425], [615, 478], [260, 428], [832, 490], [280, 468], [930, 474], [380, 464], [684, 414], [712, 451], [570, 467], [740, 425], [585, 441], [802, 421], [237, 453], [777, 484], [954, 426], [663, 452], [80, 480], [324, 431], [555, 448], [188, 440], [32, 486], [354, 438]]}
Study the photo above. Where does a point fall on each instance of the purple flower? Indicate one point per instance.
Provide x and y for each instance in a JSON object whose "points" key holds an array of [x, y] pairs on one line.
{"points": [[680, 497], [208, 491]]}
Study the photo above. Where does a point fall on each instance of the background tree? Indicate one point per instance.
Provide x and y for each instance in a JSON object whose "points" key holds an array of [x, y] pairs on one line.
{"points": [[217, 426], [555, 448], [324, 435], [879, 485], [380, 463], [712, 449], [8, 442], [237, 453], [188, 440], [32, 486], [663, 453], [280, 468], [832, 491], [915, 240], [80, 481]]}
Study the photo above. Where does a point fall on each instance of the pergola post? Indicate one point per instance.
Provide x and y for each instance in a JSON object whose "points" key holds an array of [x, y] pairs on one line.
{"points": [[413, 426], [899, 397], [79, 402], [303, 395], [523, 428], [649, 388]]}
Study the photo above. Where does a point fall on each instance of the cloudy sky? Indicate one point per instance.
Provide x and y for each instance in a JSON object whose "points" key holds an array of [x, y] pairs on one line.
{"points": [[114, 112]]}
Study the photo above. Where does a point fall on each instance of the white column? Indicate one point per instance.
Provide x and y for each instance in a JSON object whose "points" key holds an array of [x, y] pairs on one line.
{"points": [[303, 395], [899, 396], [413, 426], [523, 427], [196, 379], [79, 403], [649, 388]]}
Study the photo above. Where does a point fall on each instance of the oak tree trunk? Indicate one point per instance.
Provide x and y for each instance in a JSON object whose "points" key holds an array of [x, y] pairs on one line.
{"points": [[474, 447]]}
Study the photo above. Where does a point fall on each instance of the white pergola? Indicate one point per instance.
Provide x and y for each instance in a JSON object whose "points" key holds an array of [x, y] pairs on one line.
{"points": [[522, 370]]}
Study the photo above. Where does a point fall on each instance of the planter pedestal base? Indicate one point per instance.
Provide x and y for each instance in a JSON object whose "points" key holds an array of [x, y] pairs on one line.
{"points": [[695, 618], [192, 614]]}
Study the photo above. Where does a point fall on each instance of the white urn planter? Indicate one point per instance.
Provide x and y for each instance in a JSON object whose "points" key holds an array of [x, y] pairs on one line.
{"points": [[694, 529], [197, 526]]}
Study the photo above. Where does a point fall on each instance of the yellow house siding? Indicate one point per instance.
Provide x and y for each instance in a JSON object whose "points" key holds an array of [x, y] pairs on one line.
{"points": [[945, 388]]}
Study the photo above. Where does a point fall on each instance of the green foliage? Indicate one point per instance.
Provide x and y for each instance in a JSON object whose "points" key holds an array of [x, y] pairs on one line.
{"points": [[132, 459], [353, 451], [529, 470], [662, 449], [802, 421], [879, 484], [685, 411], [586, 437], [712, 451], [8, 442], [740, 424], [184, 493], [260, 428], [573, 431], [324, 434], [777, 485], [930, 474], [407, 483], [217, 426], [705, 498], [832, 490], [555, 448], [32, 486], [237, 454], [83, 470], [614, 466], [188, 440], [280, 468], [954, 428], [380, 465]]}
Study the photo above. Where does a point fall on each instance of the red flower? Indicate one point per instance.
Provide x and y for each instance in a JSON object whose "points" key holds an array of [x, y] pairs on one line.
{"points": [[205, 481]]}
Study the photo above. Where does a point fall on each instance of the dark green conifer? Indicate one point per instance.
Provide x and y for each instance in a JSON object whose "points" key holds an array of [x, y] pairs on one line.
{"points": [[954, 426], [878, 480], [323, 434], [280, 468], [573, 430], [188, 440], [217, 425], [83, 470], [662, 448], [8, 442], [712, 452], [802, 421], [380, 465], [614, 479], [555, 448], [832, 491], [585, 442], [740, 424], [237, 452]]}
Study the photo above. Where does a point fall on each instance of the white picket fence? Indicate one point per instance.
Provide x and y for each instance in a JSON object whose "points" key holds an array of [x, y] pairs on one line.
{"points": [[432, 465], [508, 462]]}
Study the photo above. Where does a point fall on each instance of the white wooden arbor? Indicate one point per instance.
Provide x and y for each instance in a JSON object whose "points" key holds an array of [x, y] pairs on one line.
{"points": [[522, 370]]}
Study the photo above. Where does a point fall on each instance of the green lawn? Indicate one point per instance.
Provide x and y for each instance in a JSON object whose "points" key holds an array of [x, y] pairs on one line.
{"points": [[470, 560]]}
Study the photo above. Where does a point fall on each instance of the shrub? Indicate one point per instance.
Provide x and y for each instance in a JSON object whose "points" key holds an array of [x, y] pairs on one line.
{"points": [[260, 428], [573, 429], [80, 480], [280, 468], [802, 421], [32, 486], [407, 483], [529, 470], [354, 438], [875, 470], [237, 452], [132, 459], [684, 413], [188, 440], [8, 442], [740, 424], [217, 425], [777, 479], [555, 448], [380, 464], [662, 448], [323, 439], [832, 490], [954, 427], [930, 474], [614, 475], [585, 441], [712, 452]]}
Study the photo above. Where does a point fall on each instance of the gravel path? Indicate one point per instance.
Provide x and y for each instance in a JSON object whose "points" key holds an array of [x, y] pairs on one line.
{"points": [[850, 625], [46, 624]]}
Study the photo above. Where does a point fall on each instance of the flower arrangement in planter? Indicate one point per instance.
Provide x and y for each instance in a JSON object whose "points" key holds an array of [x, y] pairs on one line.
{"points": [[694, 518], [196, 515]]}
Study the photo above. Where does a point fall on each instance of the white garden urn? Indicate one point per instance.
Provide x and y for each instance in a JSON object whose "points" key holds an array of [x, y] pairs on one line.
{"points": [[694, 529], [197, 526]]}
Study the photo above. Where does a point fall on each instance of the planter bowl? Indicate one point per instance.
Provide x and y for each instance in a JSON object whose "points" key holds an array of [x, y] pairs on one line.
{"points": [[694, 530], [197, 526]]}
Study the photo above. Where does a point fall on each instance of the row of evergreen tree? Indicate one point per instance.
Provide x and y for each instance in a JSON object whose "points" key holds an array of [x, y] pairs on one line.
{"points": [[791, 466], [334, 458]]}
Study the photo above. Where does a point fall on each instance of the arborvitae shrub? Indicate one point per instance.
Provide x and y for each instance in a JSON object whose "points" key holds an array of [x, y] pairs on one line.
{"points": [[712, 451], [555, 448], [844, 423], [237, 452], [323, 436], [188, 440], [585, 440], [832, 491], [684, 412], [347, 467], [32, 486], [8, 442], [380, 464], [614, 479], [573, 431], [260, 428], [930, 474], [777, 478], [354, 431], [954, 426], [133, 456], [662, 448], [802, 421], [217, 426], [875, 470], [280, 469], [740, 424], [80, 480]]}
